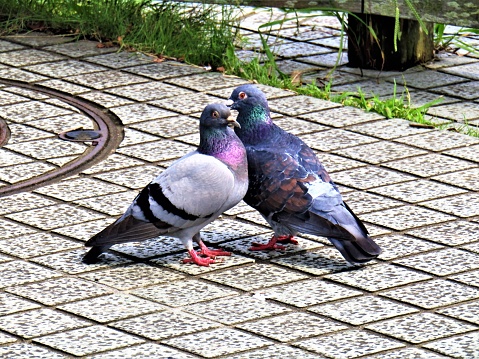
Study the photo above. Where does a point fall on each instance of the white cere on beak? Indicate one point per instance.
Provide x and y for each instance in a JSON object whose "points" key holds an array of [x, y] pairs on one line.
{"points": [[229, 102]]}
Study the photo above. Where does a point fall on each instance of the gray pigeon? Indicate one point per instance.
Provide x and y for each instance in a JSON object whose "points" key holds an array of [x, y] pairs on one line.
{"points": [[188, 195], [290, 187]]}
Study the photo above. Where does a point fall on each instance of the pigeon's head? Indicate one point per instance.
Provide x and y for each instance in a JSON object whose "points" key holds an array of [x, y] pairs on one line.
{"points": [[247, 97], [217, 115]]}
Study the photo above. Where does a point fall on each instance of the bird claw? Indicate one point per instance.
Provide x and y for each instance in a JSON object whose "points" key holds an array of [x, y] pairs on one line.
{"points": [[205, 256], [287, 240], [271, 245]]}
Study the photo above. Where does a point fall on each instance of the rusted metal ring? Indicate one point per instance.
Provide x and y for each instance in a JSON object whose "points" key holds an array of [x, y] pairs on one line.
{"points": [[109, 126]]}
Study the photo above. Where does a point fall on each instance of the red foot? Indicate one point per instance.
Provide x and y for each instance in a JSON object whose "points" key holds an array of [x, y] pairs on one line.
{"points": [[212, 253], [271, 245], [205, 256], [201, 261]]}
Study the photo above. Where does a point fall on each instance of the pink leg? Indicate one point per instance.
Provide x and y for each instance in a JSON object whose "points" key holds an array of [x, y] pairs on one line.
{"points": [[195, 258], [204, 250], [271, 245]]}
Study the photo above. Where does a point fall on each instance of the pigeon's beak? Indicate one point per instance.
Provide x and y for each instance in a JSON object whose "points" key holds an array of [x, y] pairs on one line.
{"points": [[229, 103], [231, 121]]}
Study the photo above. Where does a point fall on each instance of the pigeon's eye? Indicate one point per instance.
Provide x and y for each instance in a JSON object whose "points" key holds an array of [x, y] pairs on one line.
{"points": [[242, 95], [215, 114]]}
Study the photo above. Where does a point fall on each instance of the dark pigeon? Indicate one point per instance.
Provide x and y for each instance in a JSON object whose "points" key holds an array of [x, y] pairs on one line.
{"points": [[188, 195], [290, 187]]}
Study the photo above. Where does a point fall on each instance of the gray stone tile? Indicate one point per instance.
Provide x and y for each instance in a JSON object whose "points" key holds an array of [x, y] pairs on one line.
{"points": [[183, 125], [467, 311], [66, 68], [113, 162], [295, 68], [464, 232], [398, 245], [118, 60], [439, 140], [466, 179], [433, 293], [463, 205], [296, 105], [157, 151], [341, 116], [64, 86], [27, 93], [165, 324], [32, 110], [246, 278], [132, 276], [134, 137], [470, 70], [276, 351], [327, 60], [369, 89], [379, 152], [364, 202], [334, 139], [470, 153], [150, 91], [465, 90], [240, 309], [164, 70], [270, 92], [28, 350], [40, 322], [427, 79], [84, 231], [105, 79], [377, 277], [299, 49], [81, 48], [19, 272], [459, 112], [473, 247], [28, 57], [147, 350], [22, 172], [139, 112], [12, 73], [469, 278], [217, 342], [35, 244], [348, 344], [11, 304], [182, 293], [334, 163], [54, 216], [417, 191], [88, 340], [113, 204], [422, 98], [48, 148], [369, 177], [293, 326], [105, 99], [11, 229], [388, 129], [62, 123], [297, 126], [112, 307], [151, 247], [362, 310], [10, 158], [406, 217], [135, 177], [418, 328], [443, 262], [460, 346], [206, 81], [7, 98], [21, 133], [226, 229], [407, 353], [58, 291], [184, 104], [8, 46], [432, 164]]}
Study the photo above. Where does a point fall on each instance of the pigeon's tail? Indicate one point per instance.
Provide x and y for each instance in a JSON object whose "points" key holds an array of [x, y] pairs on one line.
{"points": [[359, 251], [93, 254]]}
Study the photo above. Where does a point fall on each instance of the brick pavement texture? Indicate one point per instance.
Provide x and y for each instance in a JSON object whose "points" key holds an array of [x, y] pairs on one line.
{"points": [[416, 190]]}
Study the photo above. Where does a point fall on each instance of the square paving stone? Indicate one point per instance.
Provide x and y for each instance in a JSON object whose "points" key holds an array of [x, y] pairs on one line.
{"points": [[19, 272], [294, 326], [22, 133], [28, 350], [7, 98], [118, 60], [48, 148], [439, 140], [133, 137], [298, 49], [217, 342], [88, 340], [226, 229], [20, 75], [112, 307], [240, 309], [10, 158], [433, 164], [467, 311], [81, 48], [135, 177], [169, 126], [418, 328], [459, 112], [140, 112], [164, 325], [11, 229], [151, 247], [326, 60], [470, 153], [335, 139], [295, 105], [175, 262], [11, 304], [54, 216], [377, 277], [406, 217], [184, 292], [62, 123], [70, 262], [340, 116], [113, 204], [473, 247], [147, 350], [322, 261], [254, 277], [276, 351], [206, 81], [370, 88], [58, 291], [461, 346], [22, 172], [28, 57], [298, 127], [465, 90], [348, 344], [334, 163], [469, 278], [105, 99], [466, 179], [150, 91], [388, 129], [433, 293], [363, 202], [464, 232], [164, 70], [398, 245], [379, 152], [84, 231], [8, 46], [463, 205], [469, 70], [61, 69], [270, 92], [32, 110], [362, 310], [35, 244], [407, 353], [427, 79], [417, 191], [105, 79], [369, 177], [132, 276], [157, 151], [443, 262], [113, 162], [308, 292], [184, 103], [35, 323]]}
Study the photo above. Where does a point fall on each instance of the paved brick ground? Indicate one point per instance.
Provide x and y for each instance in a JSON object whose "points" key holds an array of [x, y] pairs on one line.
{"points": [[416, 189]]}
